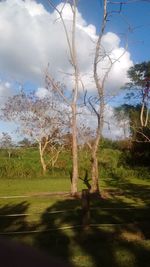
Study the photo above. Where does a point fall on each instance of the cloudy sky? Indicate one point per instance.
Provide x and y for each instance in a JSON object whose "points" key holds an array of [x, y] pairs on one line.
{"points": [[32, 36]]}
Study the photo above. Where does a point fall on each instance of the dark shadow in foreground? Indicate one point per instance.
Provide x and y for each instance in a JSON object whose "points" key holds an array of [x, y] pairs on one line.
{"points": [[118, 237]]}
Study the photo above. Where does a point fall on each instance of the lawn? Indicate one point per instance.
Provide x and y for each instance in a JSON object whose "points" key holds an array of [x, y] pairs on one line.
{"points": [[119, 234], [31, 212]]}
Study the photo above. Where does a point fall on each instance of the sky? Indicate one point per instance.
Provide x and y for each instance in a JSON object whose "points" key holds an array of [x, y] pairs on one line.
{"points": [[31, 37], [133, 21]]}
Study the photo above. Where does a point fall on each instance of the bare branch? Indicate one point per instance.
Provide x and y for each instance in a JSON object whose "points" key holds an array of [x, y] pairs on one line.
{"points": [[52, 84]]}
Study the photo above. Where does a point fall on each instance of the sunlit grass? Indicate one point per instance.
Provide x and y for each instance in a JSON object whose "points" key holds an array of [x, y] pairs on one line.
{"points": [[119, 235]]}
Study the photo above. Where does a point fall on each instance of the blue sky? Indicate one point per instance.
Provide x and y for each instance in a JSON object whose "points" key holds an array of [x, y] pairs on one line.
{"points": [[134, 20], [29, 41]]}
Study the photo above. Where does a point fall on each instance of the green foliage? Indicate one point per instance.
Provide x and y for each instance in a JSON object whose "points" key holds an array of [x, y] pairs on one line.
{"points": [[109, 158], [22, 164], [139, 73], [114, 157], [25, 142], [16, 169], [108, 143], [138, 145]]}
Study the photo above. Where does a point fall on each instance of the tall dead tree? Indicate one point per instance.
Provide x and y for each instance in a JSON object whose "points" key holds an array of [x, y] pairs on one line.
{"points": [[100, 83], [57, 87], [97, 104]]}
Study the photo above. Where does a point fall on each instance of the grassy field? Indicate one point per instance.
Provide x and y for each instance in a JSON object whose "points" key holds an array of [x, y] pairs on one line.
{"points": [[119, 232]]}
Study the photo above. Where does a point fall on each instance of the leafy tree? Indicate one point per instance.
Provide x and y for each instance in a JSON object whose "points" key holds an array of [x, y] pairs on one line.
{"points": [[138, 114], [139, 75], [25, 142], [139, 140]]}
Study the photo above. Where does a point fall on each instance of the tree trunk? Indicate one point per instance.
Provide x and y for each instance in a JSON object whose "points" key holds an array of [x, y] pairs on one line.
{"points": [[94, 159], [43, 164], [95, 147], [74, 177], [9, 154], [142, 114], [100, 84], [94, 171], [42, 158], [73, 54]]}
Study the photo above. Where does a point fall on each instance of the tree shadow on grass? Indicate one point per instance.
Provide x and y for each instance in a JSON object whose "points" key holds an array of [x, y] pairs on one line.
{"points": [[53, 239], [117, 237], [134, 192], [13, 218], [124, 243], [15, 231]]}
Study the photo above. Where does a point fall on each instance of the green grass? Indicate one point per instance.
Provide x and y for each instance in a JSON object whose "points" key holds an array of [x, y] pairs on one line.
{"points": [[120, 236], [15, 187], [120, 232]]}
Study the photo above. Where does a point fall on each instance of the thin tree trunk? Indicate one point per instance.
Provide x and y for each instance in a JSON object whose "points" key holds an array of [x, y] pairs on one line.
{"points": [[100, 113], [147, 115], [42, 158], [94, 173], [73, 103], [43, 163], [142, 114], [9, 154], [74, 152], [74, 188], [95, 148]]}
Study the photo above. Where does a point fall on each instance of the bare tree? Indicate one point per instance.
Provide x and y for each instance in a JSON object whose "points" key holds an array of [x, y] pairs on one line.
{"points": [[96, 104], [6, 143], [37, 118], [57, 87], [103, 64]]}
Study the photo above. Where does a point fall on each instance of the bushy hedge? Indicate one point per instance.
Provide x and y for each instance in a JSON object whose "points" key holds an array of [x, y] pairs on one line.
{"points": [[114, 164]]}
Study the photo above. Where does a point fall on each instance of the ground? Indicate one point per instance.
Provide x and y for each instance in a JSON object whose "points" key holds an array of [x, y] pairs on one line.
{"points": [[118, 235]]}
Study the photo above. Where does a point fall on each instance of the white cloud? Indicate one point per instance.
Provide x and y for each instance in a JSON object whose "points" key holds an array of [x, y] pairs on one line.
{"points": [[42, 92], [112, 128], [110, 41], [5, 91], [67, 14], [30, 38]]}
